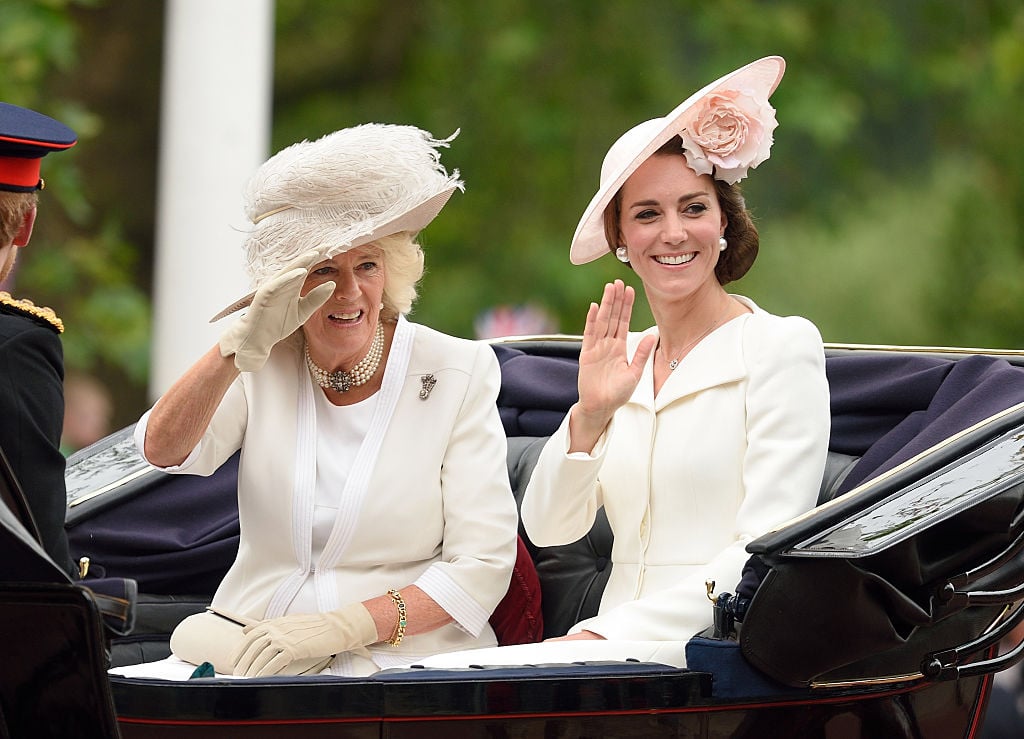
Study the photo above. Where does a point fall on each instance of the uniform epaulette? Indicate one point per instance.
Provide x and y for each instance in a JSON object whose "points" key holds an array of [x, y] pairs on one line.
{"points": [[42, 314]]}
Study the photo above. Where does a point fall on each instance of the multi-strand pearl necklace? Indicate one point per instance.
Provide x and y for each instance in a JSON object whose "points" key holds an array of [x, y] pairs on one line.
{"points": [[343, 381]]}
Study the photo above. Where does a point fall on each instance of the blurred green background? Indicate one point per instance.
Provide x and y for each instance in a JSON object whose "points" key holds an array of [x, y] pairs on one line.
{"points": [[891, 210]]}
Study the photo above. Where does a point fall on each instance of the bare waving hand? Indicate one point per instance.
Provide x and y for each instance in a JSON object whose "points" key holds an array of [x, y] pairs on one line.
{"points": [[606, 376]]}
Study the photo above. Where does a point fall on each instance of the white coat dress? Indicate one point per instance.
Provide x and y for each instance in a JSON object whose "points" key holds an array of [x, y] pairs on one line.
{"points": [[427, 502], [733, 445]]}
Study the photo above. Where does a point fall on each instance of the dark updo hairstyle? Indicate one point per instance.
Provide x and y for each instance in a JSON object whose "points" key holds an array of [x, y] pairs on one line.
{"points": [[740, 231]]}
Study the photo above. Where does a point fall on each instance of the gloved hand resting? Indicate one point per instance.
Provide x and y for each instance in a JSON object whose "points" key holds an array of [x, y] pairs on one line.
{"points": [[276, 311], [270, 646]]}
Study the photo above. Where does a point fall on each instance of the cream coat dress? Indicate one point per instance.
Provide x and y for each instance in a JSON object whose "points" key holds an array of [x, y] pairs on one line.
{"points": [[733, 445], [427, 501]]}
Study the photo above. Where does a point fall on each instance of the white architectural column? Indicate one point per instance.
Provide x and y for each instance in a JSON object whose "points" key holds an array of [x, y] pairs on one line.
{"points": [[214, 133]]}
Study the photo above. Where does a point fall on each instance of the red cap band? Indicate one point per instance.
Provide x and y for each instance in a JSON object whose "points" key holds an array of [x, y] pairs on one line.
{"points": [[19, 172]]}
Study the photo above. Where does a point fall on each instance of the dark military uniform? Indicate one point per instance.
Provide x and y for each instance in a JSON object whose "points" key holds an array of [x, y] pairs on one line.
{"points": [[31, 355], [32, 415]]}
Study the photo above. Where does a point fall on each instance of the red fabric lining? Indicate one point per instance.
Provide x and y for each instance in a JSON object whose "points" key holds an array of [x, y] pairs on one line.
{"points": [[518, 618]]}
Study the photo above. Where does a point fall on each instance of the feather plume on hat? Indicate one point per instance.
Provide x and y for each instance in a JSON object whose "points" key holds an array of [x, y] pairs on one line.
{"points": [[345, 189]]}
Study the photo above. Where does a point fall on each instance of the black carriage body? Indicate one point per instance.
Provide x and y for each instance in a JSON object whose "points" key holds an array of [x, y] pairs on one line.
{"points": [[593, 700], [799, 665]]}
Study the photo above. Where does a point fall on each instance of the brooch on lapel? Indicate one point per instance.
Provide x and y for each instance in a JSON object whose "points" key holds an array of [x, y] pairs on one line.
{"points": [[428, 382]]}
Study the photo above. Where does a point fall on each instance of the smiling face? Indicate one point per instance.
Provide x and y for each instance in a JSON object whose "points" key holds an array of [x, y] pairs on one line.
{"points": [[670, 222], [340, 333]]}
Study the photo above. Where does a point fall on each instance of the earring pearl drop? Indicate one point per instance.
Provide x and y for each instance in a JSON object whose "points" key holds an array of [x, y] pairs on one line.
{"points": [[722, 244]]}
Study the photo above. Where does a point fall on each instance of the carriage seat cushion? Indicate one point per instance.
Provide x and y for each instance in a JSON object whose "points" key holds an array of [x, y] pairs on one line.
{"points": [[572, 576], [837, 467]]}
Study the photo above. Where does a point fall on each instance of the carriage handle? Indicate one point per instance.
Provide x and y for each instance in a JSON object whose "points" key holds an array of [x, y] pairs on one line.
{"points": [[946, 664]]}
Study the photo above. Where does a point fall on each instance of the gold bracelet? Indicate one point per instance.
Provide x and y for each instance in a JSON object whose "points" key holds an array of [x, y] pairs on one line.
{"points": [[397, 637]]}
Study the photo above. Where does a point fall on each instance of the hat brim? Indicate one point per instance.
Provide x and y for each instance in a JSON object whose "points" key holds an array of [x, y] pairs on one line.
{"points": [[415, 220], [589, 243]]}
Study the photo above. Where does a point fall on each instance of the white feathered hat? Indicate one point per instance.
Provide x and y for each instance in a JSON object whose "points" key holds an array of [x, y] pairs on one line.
{"points": [[345, 189]]}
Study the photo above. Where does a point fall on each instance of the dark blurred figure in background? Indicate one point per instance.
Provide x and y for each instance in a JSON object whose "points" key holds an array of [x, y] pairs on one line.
{"points": [[31, 354], [87, 412]]}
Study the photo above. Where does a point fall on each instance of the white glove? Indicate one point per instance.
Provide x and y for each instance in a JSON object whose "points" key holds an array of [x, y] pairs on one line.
{"points": [[212, 636], [276, 312], [268, 647]]}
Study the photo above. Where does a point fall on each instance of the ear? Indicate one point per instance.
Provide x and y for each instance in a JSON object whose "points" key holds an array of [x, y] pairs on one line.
{"points": [[25, 232]]}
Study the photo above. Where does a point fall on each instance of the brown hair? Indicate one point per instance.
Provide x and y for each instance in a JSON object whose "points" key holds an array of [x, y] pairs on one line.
{"points": [[740, 231], [13, 207]]}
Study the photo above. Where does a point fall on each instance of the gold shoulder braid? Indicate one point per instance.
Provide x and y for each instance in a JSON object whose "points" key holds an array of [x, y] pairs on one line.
{"points": [[28, 308]]}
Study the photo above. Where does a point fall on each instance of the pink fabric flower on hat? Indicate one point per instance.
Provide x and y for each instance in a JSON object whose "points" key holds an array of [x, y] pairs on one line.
{"points": [[730, 132]]}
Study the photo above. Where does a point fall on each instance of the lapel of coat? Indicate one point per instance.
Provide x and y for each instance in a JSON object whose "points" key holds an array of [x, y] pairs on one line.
{"points": [[358, 484], [717, 360], [304, 490]]}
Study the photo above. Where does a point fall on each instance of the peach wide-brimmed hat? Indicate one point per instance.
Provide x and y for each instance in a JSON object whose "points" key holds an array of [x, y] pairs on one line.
{"points": [[343, 190], [726, 129]]}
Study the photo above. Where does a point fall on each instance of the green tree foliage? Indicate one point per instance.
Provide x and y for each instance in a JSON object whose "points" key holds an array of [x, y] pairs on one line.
{"points": [[890, 211], [78, 261]]}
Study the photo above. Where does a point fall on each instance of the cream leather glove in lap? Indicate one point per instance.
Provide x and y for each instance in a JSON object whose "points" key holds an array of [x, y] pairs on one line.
{"points": [[270, 646], [213, 636], [276, 311]]}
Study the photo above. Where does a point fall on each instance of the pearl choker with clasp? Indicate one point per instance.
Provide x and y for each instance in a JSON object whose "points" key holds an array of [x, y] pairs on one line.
{"points": [[343, 381]]}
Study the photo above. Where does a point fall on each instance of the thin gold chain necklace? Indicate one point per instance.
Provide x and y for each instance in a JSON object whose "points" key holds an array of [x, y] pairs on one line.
{"points": [[673, 363]]}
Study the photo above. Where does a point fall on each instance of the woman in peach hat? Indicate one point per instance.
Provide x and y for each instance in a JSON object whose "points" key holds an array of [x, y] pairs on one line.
{"points": [[707, 429]]}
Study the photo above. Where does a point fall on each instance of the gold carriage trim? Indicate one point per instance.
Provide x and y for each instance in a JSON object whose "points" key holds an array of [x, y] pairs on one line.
{"points": [[36, 311]]}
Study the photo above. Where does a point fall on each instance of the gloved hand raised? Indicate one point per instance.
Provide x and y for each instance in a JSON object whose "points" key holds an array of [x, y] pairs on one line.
{"points": [[268, 647], [276, 311]]}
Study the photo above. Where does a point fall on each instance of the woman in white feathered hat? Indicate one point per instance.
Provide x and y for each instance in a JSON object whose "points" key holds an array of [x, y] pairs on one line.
{"points": [[707, 429], [377, 523]]}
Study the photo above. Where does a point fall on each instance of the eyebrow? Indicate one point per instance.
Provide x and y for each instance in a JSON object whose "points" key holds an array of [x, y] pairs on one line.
{"points": [[681, 199]]}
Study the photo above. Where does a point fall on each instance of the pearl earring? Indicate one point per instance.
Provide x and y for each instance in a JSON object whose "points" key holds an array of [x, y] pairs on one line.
{"points": [[621, 255], [722, 244]]}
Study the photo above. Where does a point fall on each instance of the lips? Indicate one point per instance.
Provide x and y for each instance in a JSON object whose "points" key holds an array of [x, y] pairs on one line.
{"points": [[673, 259], [346, 316]]}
